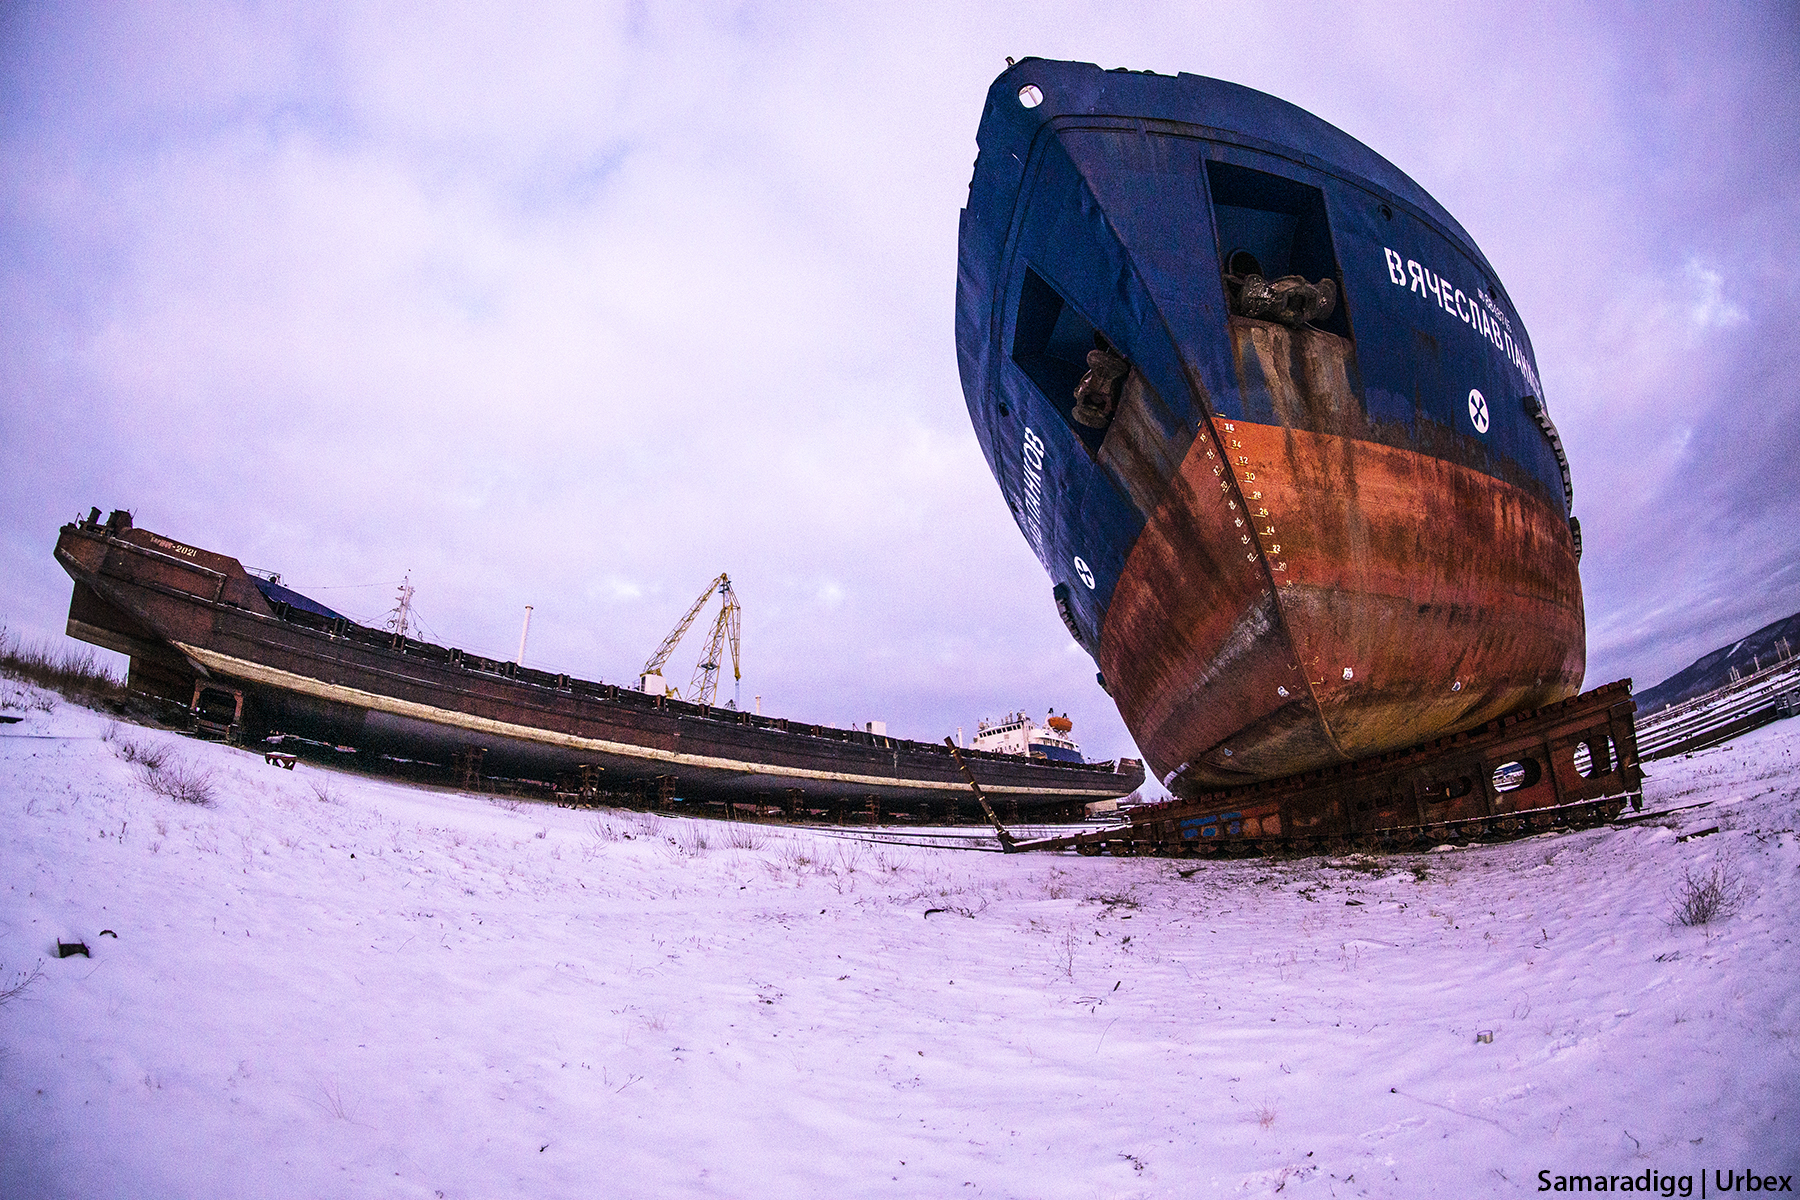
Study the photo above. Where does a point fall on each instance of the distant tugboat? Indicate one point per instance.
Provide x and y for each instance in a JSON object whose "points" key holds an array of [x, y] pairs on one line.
{"points": [[1018, 734], [1269, 420]]}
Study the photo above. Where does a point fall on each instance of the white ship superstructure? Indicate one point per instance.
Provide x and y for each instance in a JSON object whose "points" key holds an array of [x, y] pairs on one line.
{"points": [[1017, 733]]}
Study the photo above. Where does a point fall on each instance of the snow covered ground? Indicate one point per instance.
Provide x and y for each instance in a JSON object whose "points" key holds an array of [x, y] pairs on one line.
{"points": [[324, 985]]}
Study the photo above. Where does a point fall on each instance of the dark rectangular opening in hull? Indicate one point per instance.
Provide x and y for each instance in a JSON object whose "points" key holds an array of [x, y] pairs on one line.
{"points": [[1281, 224], [1051, 341]]}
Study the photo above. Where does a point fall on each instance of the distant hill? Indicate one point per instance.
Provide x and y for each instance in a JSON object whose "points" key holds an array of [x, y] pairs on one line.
{"points": [[1765, 647]]}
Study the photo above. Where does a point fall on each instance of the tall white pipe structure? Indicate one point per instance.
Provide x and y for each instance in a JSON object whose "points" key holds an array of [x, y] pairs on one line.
{"points": [[522, 635]]}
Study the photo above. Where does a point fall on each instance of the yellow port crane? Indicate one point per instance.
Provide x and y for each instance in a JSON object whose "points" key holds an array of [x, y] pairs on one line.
{"points": [[706, 672]]}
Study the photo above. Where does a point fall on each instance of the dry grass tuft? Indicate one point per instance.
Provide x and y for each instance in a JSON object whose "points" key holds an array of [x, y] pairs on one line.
{"points": [[178, 781], [72, 673], [1714, 894], [689, 839], [648, 824], [145, 757], [24, 699], [602, 830], [25, 980], [793, 856], [740, 835], [891, 862]]}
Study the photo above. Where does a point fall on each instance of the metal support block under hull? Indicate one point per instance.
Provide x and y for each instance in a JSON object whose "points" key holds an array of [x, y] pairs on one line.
{"points": [[1570, 763]]}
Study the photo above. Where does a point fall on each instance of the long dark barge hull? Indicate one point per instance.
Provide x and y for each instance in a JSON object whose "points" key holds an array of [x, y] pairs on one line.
{"points": [[203, 635], [1568, 765]]}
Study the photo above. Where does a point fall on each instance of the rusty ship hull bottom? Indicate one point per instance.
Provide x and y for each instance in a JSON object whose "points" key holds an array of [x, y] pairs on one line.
{"points": [[1332, 600], [1567, 765]]}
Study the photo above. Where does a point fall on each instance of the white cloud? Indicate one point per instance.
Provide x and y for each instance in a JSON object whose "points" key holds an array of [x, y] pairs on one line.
{"points": [[1708, 307]]}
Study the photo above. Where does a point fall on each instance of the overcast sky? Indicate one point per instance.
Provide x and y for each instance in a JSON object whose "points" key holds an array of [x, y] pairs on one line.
{"points": [[580, 310]]}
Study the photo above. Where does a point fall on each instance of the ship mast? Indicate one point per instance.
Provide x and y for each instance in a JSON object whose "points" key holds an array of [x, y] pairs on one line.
{"points": [[400, 616]]}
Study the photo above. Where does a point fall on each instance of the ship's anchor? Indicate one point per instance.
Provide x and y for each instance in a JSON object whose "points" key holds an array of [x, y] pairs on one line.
{"points": [[1289, 299], [1097, 395]]}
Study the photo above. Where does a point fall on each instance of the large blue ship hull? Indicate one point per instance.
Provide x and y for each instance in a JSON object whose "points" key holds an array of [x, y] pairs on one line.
{"points": [[1287, 544]]}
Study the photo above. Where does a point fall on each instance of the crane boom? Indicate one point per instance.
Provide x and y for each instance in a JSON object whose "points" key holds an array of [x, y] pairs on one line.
{"points": [[706, 672], [725, 628]]}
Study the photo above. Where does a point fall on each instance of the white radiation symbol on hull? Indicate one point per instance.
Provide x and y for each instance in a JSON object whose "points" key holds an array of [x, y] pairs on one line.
{"points": [[1086, 572], [1478, 411]]}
